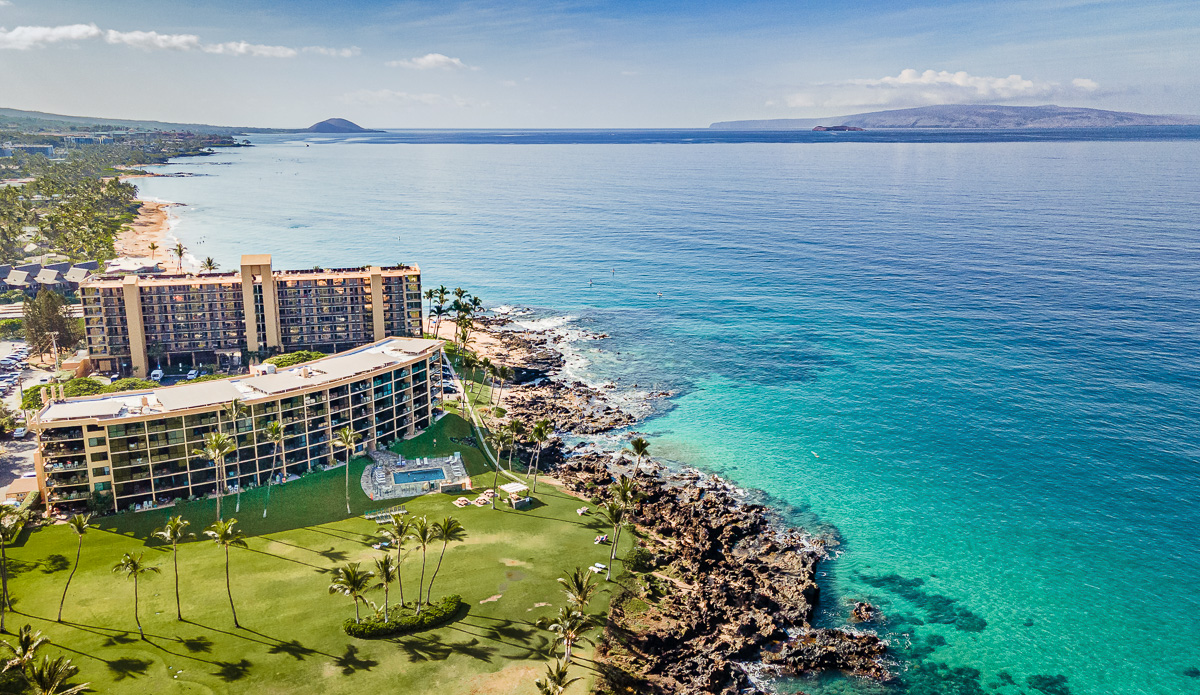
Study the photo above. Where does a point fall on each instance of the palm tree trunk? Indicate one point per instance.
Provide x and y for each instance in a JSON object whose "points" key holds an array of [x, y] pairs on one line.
{"points": [[356, 617], [612, 555], [229, 589], [496, 481], [386, 587], [220, 479], [567, 656], [136, 619], [178, 606], [512, 446], [78, 550], [422, 586], [399, 577], [429, 594], [270, 477], [348, 453], [3, 580], [537, 464]]}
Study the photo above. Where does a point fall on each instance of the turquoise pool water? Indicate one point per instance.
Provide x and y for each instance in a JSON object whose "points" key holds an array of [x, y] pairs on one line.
{"points": [[402, 477]]}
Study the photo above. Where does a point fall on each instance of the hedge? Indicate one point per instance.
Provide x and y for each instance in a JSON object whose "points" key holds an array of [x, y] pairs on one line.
{"points": [[404, 621], [292, 359]]}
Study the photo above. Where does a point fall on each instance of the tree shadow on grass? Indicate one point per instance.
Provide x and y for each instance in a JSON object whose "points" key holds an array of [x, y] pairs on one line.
{"points": [[197, 645], [54, 563], [229, 671], [289, 559], [350, 662], [342, 535], [292, 648], [119, 639], [432, 648], [128, 667]]}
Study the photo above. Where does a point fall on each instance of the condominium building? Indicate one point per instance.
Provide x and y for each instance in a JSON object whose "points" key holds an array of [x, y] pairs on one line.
{"points": [[131, 450], [136, 323]]}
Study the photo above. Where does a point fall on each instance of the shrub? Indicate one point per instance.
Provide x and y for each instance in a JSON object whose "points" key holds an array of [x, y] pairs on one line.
{"points": [[639, 560], [208, 377], [404, 621], [292, 359], [130, 385], [71, 388]]}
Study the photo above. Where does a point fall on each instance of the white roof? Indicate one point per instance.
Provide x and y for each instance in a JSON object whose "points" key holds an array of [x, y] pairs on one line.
{"points": [[95, 407], [513, 488], [196, 395]]}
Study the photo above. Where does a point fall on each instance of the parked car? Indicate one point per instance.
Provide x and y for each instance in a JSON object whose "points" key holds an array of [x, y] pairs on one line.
{"points": [[20, 433], [193, 374], [156, 375]]}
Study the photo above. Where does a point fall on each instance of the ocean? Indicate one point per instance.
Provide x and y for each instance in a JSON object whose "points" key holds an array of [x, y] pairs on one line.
{"points": [[971, 357]]}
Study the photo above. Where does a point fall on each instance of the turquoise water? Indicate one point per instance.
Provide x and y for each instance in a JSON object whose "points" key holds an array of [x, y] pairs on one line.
{"points": [[402, 477], [975, 362]]}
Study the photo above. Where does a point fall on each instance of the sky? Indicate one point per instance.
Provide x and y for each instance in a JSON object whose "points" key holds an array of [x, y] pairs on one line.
{"points": [[586, 64]]}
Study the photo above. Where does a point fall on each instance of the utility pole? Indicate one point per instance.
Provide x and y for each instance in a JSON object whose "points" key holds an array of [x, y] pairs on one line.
{"points": [[54, 341]]}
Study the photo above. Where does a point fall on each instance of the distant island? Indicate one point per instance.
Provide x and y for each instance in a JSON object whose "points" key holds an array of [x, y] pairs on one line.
{"points": [[837, 128], [969, 116], [338, 125]]}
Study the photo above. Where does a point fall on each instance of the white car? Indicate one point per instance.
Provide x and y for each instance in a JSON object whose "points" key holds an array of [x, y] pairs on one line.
{"points": [[193, 374], [156, 375], [20, 433]]}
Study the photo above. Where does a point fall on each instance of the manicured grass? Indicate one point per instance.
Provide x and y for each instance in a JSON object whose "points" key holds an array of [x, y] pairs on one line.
{"points": [[292, 641]]}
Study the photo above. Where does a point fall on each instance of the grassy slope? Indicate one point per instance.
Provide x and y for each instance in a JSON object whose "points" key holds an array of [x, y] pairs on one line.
{"points": [[292, 641]]}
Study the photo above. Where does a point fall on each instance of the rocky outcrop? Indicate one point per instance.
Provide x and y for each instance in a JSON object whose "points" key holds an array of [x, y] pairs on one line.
{"points": [[747, 592]]}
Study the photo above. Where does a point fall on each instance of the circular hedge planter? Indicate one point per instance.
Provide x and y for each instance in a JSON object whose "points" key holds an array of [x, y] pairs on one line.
{"points": [[404, 621]]}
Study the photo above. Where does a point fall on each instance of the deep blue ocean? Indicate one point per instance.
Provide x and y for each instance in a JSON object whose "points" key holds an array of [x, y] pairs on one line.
{"points": [[971, 356]]}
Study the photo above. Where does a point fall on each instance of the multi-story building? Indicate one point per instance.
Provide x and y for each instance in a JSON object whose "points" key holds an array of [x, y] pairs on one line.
{"points": [[135, 323], [114, 452]]}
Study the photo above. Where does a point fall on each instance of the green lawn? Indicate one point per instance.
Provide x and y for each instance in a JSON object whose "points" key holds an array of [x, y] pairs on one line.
{"points": [[291, 641]]}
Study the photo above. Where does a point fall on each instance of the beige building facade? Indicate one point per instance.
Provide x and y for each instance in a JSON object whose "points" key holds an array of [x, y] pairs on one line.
{"points": [[137, 323]]}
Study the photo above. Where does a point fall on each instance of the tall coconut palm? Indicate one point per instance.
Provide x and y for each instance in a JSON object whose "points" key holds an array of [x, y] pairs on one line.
{"points": [[614, 513], [396, 532], [217, 445], [353, 582], [225, 536], [439, 312], [570, 625], [51, 675], [133, 568], [541, 432], [347, 439], [23, 651], [388, 572], [79, 524], [485, 366], [441, 294], [449, 530], [625, 491], [233, 411], [153, 248], [641, 449], [429, 296], [179, 251], [175, 532], [10, 521], [506, 374], [580, 587], [556, 681], [273, 433], [469, 363], [425, 535], [515, 428], [208, 265]]}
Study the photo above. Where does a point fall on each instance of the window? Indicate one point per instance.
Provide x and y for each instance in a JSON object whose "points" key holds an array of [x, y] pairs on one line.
{"points": [[101, 487], [100, 471], [96, 441], [100, 456]]}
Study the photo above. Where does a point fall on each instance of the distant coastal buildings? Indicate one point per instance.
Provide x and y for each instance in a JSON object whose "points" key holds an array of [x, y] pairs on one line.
{"points": [[134, 321]]}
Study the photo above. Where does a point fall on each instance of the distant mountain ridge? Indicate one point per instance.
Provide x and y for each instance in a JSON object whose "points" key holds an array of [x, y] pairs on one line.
{"points": [[338, 125], [54, 121], [971, 116]]}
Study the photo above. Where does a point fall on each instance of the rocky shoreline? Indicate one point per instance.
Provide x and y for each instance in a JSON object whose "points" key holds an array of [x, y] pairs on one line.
{"points": [[726, 595]]}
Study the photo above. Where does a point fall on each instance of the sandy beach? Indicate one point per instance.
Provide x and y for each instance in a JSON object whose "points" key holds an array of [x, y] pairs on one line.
{"points": [[151, 226]]}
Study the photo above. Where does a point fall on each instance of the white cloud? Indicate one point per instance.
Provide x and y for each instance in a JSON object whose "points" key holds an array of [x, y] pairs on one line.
{"points": [[151, 40], [241, 48], [4, 3], [429, 61], [24, 38], [913, 88], [334, 52]]}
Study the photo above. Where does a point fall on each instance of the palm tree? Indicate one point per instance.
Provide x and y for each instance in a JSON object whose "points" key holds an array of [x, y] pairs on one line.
{"points": [[10, 521], [440, 294], [347, 439], [556, 681], [224, 535], [50, 677], [153, 248], [133, 568], [469, 362], [570, 625], [234, 410], [448, 530], [79, 524], [506, 374], [542, 431], [424, 534], [614, 513], [273, 433], [580, 587], [625, 491], [388, 572], [208, 265], [485, 366], [179, 251], [515, 428], [175, 532], [23, 651], [429, 296], [217, 445], [353, 582], [439, 312], [395, 533], [641, 449]]}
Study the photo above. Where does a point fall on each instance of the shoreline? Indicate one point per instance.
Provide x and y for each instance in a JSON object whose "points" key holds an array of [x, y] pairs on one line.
{"points": [[736, 610], [152, 225]]}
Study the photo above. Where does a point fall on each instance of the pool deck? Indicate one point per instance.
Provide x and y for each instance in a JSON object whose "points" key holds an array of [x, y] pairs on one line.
{"points": [[378, 482]]}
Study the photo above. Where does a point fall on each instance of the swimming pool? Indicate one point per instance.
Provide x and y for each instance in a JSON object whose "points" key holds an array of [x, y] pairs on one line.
{"points": [[402, 477]]}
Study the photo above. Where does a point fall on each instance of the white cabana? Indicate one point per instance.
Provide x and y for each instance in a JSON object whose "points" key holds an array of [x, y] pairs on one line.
{"points": [[514, 488]]}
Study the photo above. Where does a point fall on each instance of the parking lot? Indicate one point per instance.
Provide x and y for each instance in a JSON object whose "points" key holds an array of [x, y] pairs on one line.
{"points": [[16, 457]]}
